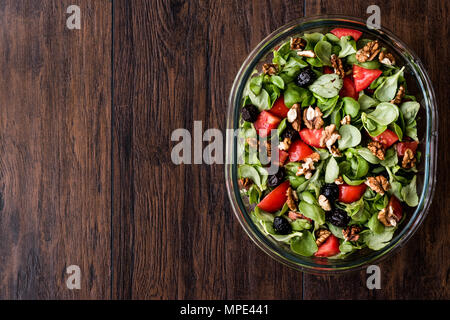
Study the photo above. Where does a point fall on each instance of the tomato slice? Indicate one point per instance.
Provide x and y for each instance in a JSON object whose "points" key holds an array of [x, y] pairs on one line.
{"points": [[341, 32], [275, 199], [329, 248], [387, 138], [364, 77], [299, 151], [348, 89], [396, 206], [282, 157], [349, 194], [311, 136], [402, 146], [279, 109], [265, 123]]}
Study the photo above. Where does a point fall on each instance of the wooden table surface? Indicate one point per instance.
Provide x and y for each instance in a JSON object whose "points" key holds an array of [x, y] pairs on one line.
{"points": [[86, 176]]}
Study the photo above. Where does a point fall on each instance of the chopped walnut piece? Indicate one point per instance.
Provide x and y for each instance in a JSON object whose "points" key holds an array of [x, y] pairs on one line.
{"points": [[378, 184], [346, 120], [292, 199], [368, 52], [386, 58], [377, 149], [337, 65], [294, 116], [306, 53], [307, 167], [329, 136], [322, 236], [387, 217], [268, 147], [269, 68], [315, 157], [339, 180], [285, 144], [399, 96], [324, 203], [245, 183], [298, 43], [294, 215], [351, 233], [409, 160], [313, 118]]}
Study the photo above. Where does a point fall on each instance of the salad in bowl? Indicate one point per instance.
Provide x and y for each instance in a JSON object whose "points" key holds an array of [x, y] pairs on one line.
{"points": [[328, 145]]}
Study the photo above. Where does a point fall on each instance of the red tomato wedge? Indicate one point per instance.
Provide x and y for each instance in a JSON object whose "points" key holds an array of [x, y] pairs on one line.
{"points": [[279, 109], [348, 89], [311, 136], [299, 151], [275, 199], [329, 248], [341, 32], [402, 146], [327, 70], [364, 77], [387, 138], [265, 123], [349, 194], [396, 207], [282, 157]]}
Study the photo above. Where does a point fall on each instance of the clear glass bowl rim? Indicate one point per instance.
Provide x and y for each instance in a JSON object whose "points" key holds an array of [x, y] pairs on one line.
{"points": [[430, 138]]}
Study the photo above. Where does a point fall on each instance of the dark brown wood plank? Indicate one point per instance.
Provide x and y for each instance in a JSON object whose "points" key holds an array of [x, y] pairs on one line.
{"points": [[421, 269], [54, 149], [174, 233]]}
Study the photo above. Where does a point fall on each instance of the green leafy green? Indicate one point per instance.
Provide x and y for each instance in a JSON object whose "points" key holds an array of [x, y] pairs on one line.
{"points": [[327, 85], [304, 245], [331, 171], [312, 211], [350, 137], [377, 241], [388, 88], [294, 94], [348, 46], [351, 106], [409, 193], [323, 52]]}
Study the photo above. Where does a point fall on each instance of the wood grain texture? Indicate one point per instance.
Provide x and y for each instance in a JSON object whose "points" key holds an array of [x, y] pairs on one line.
{"points": [[54, 149], [174, 232], [421, 269]]}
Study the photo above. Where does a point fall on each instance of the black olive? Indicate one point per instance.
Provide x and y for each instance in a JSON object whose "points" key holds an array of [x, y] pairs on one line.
{"points": [[275, 179], [281, 225], [290, 133], [330, 191], [338, 217], [250, 113], [306, 77]]}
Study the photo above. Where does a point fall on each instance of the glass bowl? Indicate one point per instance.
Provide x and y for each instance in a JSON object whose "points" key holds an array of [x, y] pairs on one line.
{"points": [[421, 86]]}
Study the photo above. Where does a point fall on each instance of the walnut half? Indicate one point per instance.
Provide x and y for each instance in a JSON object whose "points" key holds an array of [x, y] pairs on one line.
{"points": [[378, 184], [387, 217], [329, 136], [313, 118], [322, 236], [292, 199], [377, 149], [351, 233], [409, 160]]}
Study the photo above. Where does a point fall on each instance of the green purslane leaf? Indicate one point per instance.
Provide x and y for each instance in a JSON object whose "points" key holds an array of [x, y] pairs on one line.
{"points": [[247, 171], [308, 197], [409, 193], [312, 39], [390, 158], [323, 52], [261, 101], [312, 211], [331, 171], [388, 88], [350, 137], [294, 94], [366, 102], [348, 46], [304, 245], [300, 225], [352, 182], [384, 114], [368, 155], [409, 110], [327, 85], [377, 241], [351, 106], [256, 84], [375, 225], [278, 81]]}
